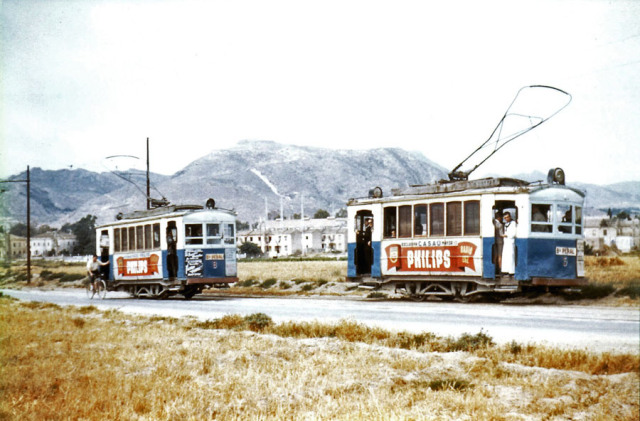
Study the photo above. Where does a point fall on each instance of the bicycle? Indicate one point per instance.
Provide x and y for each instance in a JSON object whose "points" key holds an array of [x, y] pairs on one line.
{"points": [[100, 288]]}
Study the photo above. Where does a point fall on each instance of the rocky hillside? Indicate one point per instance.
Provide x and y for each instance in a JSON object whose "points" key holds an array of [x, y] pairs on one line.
{"points": [[253, 177]]}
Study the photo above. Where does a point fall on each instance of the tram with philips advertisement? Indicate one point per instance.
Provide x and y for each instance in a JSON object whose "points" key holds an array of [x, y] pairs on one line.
{"points": [[442, 239], [169, 250]]}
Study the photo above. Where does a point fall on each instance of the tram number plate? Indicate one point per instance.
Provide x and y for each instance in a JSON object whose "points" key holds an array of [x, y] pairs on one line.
{"points": [[566, 251]]}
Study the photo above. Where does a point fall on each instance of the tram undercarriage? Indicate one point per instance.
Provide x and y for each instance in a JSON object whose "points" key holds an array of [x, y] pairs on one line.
{"points": [[463, 290], [162, 289]]}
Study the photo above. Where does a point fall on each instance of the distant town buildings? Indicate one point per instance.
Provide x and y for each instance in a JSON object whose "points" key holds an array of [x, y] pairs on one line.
{"points": [[52, 244], [42, 245], [12, 247], [603, 232], [280, 238]]}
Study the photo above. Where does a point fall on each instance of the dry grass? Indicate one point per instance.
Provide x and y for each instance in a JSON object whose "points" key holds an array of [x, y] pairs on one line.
{"points": [[332, 271], [620, 272], [80, 363]]}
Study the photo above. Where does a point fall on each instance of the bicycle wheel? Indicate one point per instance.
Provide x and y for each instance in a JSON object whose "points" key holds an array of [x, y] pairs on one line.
{"points": [[102, 289], [89, 290]]}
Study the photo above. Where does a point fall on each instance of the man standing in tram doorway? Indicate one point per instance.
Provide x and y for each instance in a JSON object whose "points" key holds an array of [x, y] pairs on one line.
{"points": [[367, 241], [509, 246]]}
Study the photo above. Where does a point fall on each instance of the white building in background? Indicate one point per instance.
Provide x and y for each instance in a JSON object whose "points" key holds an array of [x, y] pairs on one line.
{"points": [[52, 243], [296, 236], [601, 232]]}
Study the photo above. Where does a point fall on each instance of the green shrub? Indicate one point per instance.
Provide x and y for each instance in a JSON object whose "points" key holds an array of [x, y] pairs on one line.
{"points": [[449, 384], [468, 342], [70, 277], [258, 321], [514, 347], [632, 291], [247, 283], [268, 283], [595, 291]]}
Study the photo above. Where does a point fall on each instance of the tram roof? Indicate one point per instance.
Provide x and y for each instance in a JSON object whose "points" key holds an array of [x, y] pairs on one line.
{"points": [[164, 211], [444, 187]]}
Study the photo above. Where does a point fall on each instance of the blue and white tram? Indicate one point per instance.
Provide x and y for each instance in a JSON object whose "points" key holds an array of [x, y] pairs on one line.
{"points": [[170, 250], [440, 239]]}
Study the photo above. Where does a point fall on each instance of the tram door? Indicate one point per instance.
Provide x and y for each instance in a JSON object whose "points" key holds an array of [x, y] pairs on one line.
{"points": [[497, 251], [104, 252], [364, 252], [172, 249]]}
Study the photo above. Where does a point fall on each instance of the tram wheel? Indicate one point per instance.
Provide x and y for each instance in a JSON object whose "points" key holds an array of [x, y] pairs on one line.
{"points": [[417, 298], [189, 293]]}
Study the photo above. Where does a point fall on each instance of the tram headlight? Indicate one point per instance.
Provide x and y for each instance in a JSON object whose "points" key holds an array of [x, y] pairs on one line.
{"points": [[556, 176], [375, 192]]}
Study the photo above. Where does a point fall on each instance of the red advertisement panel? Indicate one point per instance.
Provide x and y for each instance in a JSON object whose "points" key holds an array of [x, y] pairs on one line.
{"points": [[449, 258], [137, 266]]}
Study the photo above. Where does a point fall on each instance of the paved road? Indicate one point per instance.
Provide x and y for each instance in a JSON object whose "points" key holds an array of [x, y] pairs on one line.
{"points": [[592, 327]]}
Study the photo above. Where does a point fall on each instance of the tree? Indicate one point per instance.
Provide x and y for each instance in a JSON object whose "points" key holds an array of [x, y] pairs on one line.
{"points": [[623, 216], [242, 225], [342, 213], [85, 232], [250, 249], [20, 230], [321, 214]]}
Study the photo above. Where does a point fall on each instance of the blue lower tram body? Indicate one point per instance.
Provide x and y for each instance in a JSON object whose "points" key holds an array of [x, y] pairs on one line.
{"points": [[535, 258], [191, 264]]}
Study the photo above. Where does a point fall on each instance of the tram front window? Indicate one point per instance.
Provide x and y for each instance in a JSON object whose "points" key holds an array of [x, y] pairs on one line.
{"points": [[213, 234], [541, 218], [564, 216], [229, 235], [193, 234]]}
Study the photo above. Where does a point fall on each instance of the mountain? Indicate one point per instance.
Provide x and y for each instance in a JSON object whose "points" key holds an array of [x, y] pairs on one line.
{"points": [[253, 178]]}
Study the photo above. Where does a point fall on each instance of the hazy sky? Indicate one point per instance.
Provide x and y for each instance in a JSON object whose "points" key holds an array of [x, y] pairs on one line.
{"points": [[83, 80]]}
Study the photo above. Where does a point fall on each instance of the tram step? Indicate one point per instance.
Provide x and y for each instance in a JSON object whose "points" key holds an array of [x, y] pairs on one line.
{"points": [[506, 288]]}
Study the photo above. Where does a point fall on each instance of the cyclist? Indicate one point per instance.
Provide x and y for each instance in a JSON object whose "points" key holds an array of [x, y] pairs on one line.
{"points": [[93, 270]]}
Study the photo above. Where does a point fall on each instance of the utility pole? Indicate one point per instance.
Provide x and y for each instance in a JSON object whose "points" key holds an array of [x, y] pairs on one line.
{"points": [[148, 182], [28, 226]]}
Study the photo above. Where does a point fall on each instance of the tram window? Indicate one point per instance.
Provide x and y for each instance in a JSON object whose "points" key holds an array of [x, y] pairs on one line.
{"points": [[578, 220], [193, 234], [454, 219], [229, 235], [213, 234], [390, 222], [404, 219], [156, 236], [147, 237], [420, 220], [472, 217], [132, 238], [564, 217], [140, 237], [116, 239], [436, 222], [124, 238], [540, 218]]}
